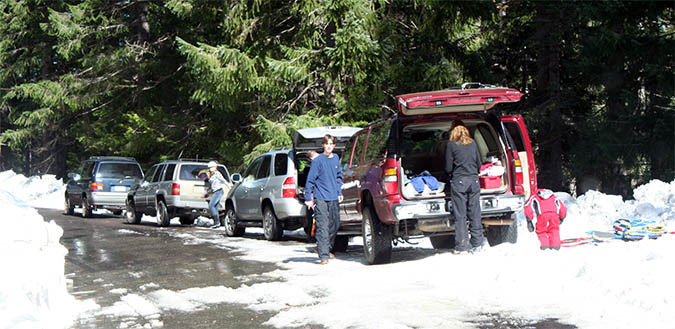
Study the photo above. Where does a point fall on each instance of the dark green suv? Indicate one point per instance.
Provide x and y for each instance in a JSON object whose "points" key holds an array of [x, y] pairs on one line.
{"points": [[101, 182]]}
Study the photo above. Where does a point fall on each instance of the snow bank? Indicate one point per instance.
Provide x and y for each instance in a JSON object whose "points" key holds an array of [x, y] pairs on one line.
{"points": [[33, 291]]}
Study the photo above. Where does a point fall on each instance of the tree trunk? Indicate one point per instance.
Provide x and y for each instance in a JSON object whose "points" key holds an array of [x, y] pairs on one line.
{"points": [[547, 94]]}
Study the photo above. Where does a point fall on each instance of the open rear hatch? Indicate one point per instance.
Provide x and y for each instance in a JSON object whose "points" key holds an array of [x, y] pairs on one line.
{"points": [[456, 100], [311, 138]]}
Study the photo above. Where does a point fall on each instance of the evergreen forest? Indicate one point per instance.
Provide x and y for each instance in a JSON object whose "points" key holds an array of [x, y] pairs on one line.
{"points": [[230, 79]]}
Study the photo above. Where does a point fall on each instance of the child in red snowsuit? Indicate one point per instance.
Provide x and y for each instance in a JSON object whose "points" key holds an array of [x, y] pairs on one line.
{"points": [[544, 207]]}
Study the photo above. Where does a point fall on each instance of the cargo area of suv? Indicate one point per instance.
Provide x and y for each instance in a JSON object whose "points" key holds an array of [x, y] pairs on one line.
{"points": [[384, 201]]}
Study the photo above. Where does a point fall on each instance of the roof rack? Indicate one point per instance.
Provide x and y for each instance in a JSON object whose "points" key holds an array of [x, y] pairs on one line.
{"points": [[105, 157], [283, 148], [196, 160]]}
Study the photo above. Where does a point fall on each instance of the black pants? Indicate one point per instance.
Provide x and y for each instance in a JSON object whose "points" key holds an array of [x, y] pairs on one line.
{"points": [[465, 195], [327, 214]]}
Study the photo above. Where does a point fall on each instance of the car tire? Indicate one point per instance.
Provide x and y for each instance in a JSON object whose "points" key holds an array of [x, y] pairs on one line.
{"points": [[132, 216], [498, 234], [86, 210], [376, 238], [187, 220], [163, 218], [443, 241], [271, 226], [232, 228], [68, 207], [341, 243]]}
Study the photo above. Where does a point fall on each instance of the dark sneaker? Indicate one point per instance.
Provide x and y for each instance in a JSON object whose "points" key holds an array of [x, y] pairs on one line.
{"points": [[324, 262], [555, 248], [543, 248]]}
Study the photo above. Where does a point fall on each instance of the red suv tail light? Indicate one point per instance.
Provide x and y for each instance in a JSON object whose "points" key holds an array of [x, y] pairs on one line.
{"points": [[288, 189], [390, 179], [518, 169], [175, 189], [97, 186]]}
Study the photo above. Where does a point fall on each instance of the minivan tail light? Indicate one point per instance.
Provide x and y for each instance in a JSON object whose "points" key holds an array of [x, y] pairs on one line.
{"points": [[518, 170], [175, 189], [97, 186], [288, 188]]}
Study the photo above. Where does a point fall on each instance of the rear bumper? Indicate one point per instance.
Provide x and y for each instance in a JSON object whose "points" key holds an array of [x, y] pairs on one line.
{"points": [[289, 208], [109, 199], [174, 203]]}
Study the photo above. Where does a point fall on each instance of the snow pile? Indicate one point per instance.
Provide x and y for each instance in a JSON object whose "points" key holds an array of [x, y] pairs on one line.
{"points": [[39, 192], [33, 290]]}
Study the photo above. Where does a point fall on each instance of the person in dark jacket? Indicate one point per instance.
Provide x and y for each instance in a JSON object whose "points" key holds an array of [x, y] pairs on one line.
{"points": [[323, 193], [462, 162]]}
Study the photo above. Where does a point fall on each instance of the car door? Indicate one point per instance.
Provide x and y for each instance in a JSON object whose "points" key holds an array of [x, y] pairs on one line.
{"points": [[351, 182], [244, 201], [515, 126], [154, 186], [142, 191], [258, 185]]}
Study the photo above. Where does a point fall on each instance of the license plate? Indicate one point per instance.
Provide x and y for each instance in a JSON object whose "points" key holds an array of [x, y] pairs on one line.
{"points": [[118, 188], [199, 189]]}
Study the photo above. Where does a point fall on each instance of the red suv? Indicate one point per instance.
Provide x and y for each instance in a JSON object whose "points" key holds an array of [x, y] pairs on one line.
{"points": [[382, 204]]}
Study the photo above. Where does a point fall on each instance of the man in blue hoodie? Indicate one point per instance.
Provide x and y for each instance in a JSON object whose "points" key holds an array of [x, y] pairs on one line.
{"points": [[324, 183]]}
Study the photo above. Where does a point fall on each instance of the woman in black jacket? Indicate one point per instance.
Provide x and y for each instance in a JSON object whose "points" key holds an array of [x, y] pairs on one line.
{"points": [[462, 163]]}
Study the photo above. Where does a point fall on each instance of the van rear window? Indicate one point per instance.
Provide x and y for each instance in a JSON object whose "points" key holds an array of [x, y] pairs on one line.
{"points": [[118, 170]]}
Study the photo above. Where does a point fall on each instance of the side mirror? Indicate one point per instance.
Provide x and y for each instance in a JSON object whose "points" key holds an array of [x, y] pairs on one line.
{"points": [[74, 176], [236, 178]]}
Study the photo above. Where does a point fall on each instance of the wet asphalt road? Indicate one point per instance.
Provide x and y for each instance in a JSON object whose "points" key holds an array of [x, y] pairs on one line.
{"points": [[105, 254], [102, 258]]}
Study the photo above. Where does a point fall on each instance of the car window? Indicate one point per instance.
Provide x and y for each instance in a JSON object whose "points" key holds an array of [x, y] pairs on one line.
{"points": [[86, 170], [158, 174], [516, 136], [280, 164], [150, 173], [252, 169], [118, 170], [344, 160], [168, 173], [377, 142], [192, 171], [264, 170], [223, 171], [358, 148]]}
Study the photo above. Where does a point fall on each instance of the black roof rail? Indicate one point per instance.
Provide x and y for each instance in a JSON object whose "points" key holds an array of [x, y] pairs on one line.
{"points": [[189, 159], [106, 157]]}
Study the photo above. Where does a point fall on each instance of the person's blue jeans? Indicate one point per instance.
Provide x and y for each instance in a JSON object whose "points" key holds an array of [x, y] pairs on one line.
{"points": [[327, 214], [213, 206]]}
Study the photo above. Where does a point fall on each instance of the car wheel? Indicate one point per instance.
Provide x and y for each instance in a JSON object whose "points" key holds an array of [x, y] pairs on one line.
{"points": [[162, 214], [341, 243], [271, 226], [132, 216], [497, 234], [86, 210], [443, 241], [376, 238], [187, 220], [231, 226], [68, 207]]}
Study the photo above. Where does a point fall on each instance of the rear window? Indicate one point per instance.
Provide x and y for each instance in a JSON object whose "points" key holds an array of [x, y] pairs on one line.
{"points": [[192, 171], [118, 170], [280, 164]]}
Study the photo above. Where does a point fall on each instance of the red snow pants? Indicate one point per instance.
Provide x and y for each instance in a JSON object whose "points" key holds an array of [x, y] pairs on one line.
{"points": [[548, 229]]}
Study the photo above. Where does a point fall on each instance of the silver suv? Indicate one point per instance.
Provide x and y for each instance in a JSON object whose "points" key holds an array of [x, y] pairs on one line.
{"points": [[173, 188], [269, 194]]}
